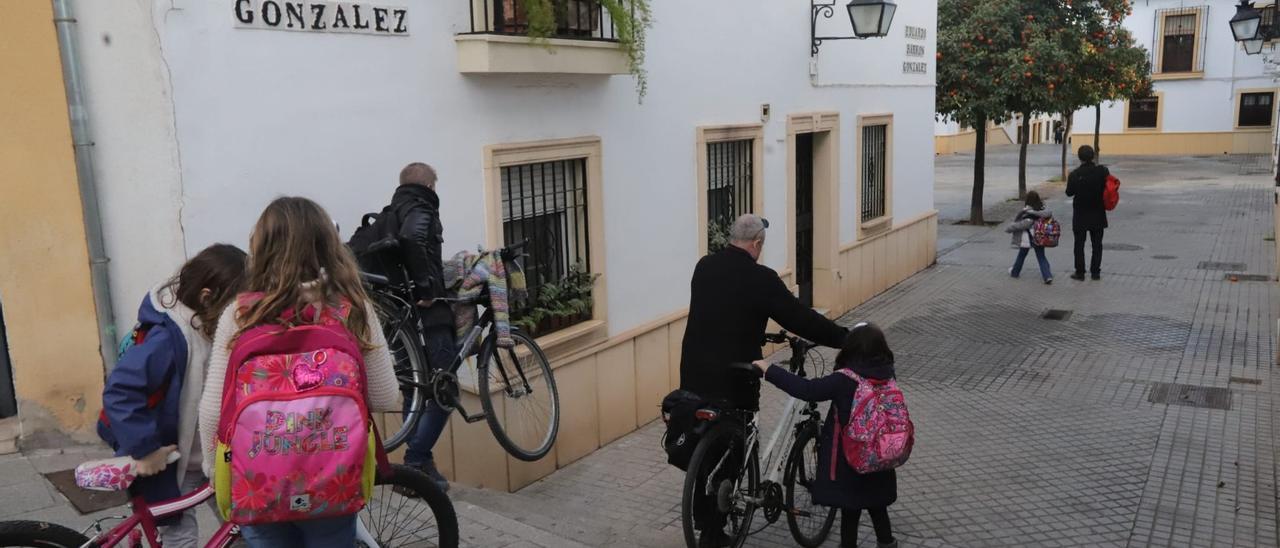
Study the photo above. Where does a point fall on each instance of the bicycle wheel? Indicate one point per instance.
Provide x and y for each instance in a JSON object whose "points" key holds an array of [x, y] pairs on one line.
{"points": [[409, 363], [720, 451], [810, 523], [520, 377], [39, 533], [408, 509]]}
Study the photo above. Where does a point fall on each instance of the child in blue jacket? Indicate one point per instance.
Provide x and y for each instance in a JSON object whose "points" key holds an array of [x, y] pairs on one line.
{"points": [[151, 398]]}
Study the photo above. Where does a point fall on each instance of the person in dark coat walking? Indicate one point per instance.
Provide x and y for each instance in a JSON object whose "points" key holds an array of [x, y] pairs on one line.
{"points": [[732, 299], [865, 352], [1086, 184]]}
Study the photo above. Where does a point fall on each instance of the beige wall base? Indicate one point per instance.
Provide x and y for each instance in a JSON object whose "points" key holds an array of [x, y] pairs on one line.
{"points": [[1253, 141], [966, 140], [615, 387]]}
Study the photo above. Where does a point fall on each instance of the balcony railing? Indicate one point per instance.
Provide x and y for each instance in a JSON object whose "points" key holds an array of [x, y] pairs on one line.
{"points": [[575, 19]]}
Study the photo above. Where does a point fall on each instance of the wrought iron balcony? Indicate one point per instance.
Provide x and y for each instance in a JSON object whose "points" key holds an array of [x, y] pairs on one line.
{"points": [[575, 19]]}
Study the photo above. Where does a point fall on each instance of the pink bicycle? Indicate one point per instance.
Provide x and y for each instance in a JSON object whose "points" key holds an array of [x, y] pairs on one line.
{"points": [[406, 509]]}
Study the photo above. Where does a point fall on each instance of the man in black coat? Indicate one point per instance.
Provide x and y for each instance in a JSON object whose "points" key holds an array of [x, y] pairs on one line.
{"points": [[732, 299], [1086, 184], [414, 218]]}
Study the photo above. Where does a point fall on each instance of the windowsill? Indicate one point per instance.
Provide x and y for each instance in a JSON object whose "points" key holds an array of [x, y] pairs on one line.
{"points": [[1142, 130], [875, 227], [502, 54], [1177, 75], [1257, 129], [555, 345]]}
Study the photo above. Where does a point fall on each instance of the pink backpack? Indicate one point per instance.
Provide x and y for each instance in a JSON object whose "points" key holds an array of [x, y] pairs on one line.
{"points": [[295, 441], [1046, 232], [879, 434]]}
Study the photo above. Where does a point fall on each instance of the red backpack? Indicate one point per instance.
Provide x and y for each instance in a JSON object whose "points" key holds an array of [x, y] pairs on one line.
{"points": [[1111, 193]]}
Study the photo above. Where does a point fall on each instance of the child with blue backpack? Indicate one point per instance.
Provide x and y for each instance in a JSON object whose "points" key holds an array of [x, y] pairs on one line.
{"points": [[865, 356], [152, 394]]}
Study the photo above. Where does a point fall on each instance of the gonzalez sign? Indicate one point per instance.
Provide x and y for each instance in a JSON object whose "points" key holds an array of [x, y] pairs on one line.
{"points": [[351, 17]]}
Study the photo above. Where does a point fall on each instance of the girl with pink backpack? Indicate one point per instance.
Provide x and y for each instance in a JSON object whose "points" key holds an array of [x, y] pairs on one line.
{"points": [[298, 363], [864, 361]]}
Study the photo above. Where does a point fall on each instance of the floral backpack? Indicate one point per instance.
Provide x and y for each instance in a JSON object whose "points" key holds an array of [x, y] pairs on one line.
{"points": [[1046, 232], [295, 441], [879, 434]]}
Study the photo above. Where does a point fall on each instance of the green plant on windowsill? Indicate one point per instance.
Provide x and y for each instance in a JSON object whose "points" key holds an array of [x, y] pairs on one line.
{"points": [[717, 236], [632, 28], [568, 300]]}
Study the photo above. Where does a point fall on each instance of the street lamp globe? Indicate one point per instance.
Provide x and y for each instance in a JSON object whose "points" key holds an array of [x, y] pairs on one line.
{"points": [[1253, 46], [871, 18], [1246, 22]]}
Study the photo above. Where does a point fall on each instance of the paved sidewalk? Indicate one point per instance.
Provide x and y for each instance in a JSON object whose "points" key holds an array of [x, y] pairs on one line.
{"points": [[1040, 432]]}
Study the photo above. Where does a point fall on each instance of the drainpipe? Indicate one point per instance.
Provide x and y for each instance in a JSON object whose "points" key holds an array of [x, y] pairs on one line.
{"points": [[83, 144]]}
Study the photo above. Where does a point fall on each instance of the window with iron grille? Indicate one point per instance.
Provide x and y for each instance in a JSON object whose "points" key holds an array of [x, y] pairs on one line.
{"points": [[545, 204], [575, 19], [1256, 109], [874, 164], [1178, 40], [1144, 113], [730, 185]]}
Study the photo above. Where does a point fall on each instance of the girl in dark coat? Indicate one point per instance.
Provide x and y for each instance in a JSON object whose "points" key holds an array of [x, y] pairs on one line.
{"points": [[866, 353]]}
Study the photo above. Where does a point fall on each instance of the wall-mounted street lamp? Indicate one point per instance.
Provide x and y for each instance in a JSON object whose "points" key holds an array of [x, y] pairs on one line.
{"points": [[870, 19], [1247, 27]]}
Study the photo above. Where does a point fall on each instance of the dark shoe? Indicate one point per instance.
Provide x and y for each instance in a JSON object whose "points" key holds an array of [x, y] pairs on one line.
{"points": [[1096, 277], [1011, 274], [1078, 276], [1048, 281], [890, 544], [714, 539]]}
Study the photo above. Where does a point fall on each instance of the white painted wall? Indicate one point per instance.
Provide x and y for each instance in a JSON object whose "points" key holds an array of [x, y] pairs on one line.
{"points": [[263, 113], [1197, 105]]}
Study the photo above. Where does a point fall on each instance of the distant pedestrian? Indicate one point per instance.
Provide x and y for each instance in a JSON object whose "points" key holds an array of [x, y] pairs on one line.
{"points": [[1057, 135], [1022, 237], [866, 354], [1086, 184]]}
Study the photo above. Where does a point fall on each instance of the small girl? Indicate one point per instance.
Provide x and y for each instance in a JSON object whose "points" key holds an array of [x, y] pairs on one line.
{"points": [[1021, 230], [296, 259], [151, 397], [866, 353]]}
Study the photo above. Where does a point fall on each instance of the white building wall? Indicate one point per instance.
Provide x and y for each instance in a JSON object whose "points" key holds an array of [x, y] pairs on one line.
{"points": [[264, 113]]}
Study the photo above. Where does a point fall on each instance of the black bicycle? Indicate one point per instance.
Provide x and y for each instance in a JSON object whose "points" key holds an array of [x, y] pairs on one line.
{"points": [[728, 458], [515, 385]]}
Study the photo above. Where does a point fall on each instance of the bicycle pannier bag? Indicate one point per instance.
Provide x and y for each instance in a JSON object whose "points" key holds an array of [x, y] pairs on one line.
{"points": [[879, 434], [681, 437], [294, 441]]}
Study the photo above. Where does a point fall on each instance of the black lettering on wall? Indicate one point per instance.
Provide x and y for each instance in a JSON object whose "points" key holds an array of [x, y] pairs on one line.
{"points": [[355, 9], [400, 27], [244, 11], [318, 20], [340, 17], [380, 19], [271, 13], [293, 12]]}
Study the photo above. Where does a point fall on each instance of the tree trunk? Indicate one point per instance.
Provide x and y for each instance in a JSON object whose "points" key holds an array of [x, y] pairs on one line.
{"points": [[979, 168], [1097, 123], [1066, 141], [1022, 156]]}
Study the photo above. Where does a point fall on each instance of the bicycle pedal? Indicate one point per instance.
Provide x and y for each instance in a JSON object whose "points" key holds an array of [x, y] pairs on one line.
{"points": [[471, 419]]}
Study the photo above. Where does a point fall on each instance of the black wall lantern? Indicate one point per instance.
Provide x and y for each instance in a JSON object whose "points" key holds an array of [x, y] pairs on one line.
{"points": [[1248, 28], [869, 18]]}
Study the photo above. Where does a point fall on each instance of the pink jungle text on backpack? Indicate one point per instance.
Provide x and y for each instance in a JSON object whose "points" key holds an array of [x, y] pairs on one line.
{"points": [[294, 440], [879, 434]]}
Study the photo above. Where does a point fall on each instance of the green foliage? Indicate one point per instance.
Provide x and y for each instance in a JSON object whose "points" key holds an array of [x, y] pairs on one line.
{"points": [[569, 297], [632, 28], [717, 236], [974, 40]]}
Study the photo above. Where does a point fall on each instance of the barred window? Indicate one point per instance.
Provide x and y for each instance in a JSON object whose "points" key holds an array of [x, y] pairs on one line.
{"points": [[1256, 109], [730, 185], [1144, 113], [874, 158], [1178, 40], [545, 204]]}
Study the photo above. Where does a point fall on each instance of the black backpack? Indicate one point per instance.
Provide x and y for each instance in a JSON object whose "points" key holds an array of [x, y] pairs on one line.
{"points": [[375, 245], [683, 429]]}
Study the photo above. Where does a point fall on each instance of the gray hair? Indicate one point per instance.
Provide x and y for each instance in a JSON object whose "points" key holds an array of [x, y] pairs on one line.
{"points": [[748, 228]]}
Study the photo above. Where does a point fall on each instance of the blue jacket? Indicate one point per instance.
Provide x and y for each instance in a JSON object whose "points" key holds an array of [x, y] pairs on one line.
{"points": [[159, 362]]}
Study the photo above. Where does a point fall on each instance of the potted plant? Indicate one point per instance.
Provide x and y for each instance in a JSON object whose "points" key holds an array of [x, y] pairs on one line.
{"points": [[543, 19], [559, 304]]}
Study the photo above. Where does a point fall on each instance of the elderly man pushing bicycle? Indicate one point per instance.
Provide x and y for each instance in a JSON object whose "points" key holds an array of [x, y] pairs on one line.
{"points": [[732, 299]]}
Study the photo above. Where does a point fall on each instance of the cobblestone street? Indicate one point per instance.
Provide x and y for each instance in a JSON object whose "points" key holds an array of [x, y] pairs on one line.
{"points": [[1144, 419]]}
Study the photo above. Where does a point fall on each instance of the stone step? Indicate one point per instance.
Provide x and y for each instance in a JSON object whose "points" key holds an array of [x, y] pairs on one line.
{"points": [[575, 521], [10, 431]]}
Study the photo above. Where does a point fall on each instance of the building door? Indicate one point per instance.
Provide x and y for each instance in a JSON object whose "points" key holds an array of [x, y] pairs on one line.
{"points": [[804, 217], [8, 403]]}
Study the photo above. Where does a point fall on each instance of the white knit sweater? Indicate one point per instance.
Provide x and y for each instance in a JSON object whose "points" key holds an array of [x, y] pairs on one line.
{"points": [[384, 390]]}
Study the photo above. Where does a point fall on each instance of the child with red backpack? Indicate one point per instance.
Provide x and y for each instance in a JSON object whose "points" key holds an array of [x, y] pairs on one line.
{"points": [[857, 475], [151, 396], [299, 362], [1034, 229]]}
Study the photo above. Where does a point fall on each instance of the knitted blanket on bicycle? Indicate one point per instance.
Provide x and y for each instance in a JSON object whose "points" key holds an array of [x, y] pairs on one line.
{"points": [[468, 274]]}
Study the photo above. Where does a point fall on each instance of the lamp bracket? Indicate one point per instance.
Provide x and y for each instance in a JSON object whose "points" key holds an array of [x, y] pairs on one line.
{"points": [[827, 11]]}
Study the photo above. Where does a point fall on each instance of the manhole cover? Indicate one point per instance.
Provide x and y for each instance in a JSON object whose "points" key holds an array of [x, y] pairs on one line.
{"points": [[1164, 257], [1245, 380], [85, 501], [1121, 247], [1056, 314], [1237, 277], [1190, 395], [1214, 265]]}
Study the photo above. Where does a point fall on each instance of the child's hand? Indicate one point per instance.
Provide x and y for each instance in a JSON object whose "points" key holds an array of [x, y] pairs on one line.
{"points": [[154, 463]]}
